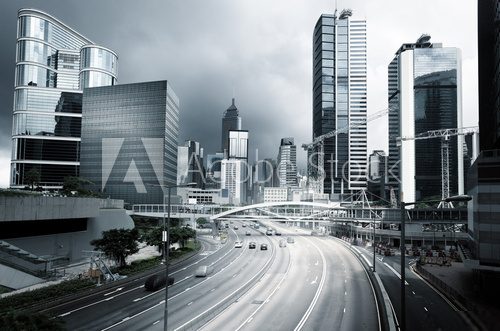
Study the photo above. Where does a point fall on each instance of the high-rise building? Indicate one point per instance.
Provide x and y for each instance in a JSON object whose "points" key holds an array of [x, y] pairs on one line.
{"points": [[213, 173], [340, 99], [377, 174], [196, 170], [234, 178], [287, 163], [425, 93], [129, 140], [483, 182], [488, 37], [230, 121], [53, 64], [238, 144]]}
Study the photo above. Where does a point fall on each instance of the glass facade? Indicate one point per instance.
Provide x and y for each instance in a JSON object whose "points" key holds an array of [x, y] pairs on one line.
{"points": [[48, 96], [339, 100], [230, 121], [129, 140], [430, 81]]}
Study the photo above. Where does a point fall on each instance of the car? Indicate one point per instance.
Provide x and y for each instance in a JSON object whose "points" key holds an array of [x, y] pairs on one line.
{"points": [[247, 233], [202, 271], [290, 240], [226, 226], [238, 244], [244, 225], [282, 243], [263, 247], [277, 233], [235, 227], [252, 245], [156, 282], [269, 232]]}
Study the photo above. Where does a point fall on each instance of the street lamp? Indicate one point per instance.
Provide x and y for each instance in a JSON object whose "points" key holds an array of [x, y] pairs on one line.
{"points": [[456, 198], [165, 236]]}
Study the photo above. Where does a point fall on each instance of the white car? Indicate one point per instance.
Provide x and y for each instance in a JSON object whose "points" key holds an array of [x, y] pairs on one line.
{"points": [[238, 244]]}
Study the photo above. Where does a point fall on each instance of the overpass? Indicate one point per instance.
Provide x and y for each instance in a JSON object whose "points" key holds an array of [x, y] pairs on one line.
{"points": [[305, 211]]}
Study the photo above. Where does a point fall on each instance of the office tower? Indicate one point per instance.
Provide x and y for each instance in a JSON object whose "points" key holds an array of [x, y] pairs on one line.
{"points": [[234, 178], [377, 174], [129, 140], [339, 99], [287, 163], [196, 170], [182, 165], [213, 170], [53, 64], [425, 93], [230, 121], [238, 144], [483, 182], [489, 74]]}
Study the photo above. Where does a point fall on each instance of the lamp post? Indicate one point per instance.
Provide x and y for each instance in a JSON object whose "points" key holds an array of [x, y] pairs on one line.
{"points": [[457, 198], [373, 244], [166, 243]]}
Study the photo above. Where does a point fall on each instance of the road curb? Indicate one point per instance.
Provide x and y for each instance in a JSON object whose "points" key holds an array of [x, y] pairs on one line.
{"points": [[384, 302]]}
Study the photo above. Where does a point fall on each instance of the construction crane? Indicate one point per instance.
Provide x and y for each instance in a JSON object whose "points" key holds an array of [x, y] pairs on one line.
{"points": [[318, 142], [445, 135]]}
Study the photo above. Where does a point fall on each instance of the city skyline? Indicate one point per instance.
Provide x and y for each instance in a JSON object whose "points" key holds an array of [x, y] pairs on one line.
{"points": [[280, 64]]}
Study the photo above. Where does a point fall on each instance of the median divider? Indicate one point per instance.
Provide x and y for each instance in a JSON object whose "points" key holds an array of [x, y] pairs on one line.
{"points": [[387, 317]]}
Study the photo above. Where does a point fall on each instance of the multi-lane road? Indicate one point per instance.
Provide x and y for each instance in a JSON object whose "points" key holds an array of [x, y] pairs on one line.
{"points": [[315, 283]]}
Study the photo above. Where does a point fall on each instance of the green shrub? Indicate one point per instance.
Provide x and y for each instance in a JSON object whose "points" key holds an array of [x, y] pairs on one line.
{"points": [[41, 295], [29, 321]]}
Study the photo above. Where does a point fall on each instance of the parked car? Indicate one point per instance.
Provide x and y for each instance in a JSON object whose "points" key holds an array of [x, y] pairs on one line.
{"points": [[156, 282], [252, 245], [263, 247]]}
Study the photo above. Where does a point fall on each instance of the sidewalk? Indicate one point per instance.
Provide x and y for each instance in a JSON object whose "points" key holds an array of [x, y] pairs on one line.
{"points": [[456, 281]]}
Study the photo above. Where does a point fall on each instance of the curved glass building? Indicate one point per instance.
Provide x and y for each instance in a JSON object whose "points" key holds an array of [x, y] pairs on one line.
{"points": [[53, 65]]}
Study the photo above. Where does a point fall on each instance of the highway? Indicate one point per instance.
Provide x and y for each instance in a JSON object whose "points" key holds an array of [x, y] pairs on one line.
{"points": [[312, 284], [426, 309]]}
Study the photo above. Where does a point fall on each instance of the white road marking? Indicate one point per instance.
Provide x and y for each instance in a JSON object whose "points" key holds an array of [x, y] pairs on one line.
{"points": [[367, 261], [109, 293], [413, 292], [344, 310], [133, 316], [158, 321], [97, 302], [425, 309], [395, 272], [189, 304], [315, 280]]}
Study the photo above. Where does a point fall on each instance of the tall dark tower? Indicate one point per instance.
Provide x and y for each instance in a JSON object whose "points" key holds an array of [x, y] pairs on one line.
{"points": [[231, 121]]}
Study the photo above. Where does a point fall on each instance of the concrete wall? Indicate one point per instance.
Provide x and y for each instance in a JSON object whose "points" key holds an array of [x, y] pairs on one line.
{"points": [[32, 208], [72, 244]]}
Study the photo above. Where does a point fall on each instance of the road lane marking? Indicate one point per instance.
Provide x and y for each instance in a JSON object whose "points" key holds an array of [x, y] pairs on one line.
{"points": [[133, 316], [413, 292], [189, 304], [158, 321], [367, 261], [344, 310], [315, 280], [425, 308], [318, 291], [100, 301], [395, 272], [117, 290]]}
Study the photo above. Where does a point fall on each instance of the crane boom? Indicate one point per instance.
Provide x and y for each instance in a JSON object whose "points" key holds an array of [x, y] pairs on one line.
{"points": [[441, 133]]}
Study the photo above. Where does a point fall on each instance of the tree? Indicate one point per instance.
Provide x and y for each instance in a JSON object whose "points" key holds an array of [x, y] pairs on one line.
{"points": [[32, 177], [201, 221], [153, 237], [181, 235], [72, 184], [117, 244]]}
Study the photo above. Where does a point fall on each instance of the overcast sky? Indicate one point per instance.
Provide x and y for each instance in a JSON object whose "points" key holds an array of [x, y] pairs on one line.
{"points": [[260, 49]]}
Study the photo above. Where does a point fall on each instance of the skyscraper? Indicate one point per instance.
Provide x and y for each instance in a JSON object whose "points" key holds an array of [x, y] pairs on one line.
{"points": [[238, 144], [340, 99], [53, 64], [129, 140], [425, 93], [287, 163], [230, 121]]}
